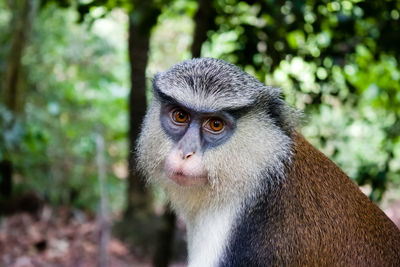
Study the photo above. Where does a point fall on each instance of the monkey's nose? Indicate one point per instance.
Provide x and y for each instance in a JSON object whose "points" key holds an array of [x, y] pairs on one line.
{"points": [[188, 155], [185, 155]]}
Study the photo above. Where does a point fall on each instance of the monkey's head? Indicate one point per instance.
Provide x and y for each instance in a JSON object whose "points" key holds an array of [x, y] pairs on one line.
{"points": [[212, 133]]}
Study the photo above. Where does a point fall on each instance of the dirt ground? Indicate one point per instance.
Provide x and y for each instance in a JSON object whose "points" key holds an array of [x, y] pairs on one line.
{"points": [[64, 237], [59, 238]]}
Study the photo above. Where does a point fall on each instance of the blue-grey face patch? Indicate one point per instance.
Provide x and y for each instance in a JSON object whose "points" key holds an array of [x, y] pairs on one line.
{"points": [[194, 130]]}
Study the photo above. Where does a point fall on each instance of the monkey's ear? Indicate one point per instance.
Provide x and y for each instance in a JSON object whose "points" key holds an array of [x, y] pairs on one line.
{"points": [[293, 118], [155, 82], [284, 116]]}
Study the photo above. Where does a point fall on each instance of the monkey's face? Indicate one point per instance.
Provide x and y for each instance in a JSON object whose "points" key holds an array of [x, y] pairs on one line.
{"points": [[200, 157], [193, 132], [211, 132]]}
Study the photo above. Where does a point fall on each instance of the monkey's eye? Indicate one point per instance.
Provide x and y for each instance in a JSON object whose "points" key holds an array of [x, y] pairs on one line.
{"points": [[179, 116], [214, 125]]}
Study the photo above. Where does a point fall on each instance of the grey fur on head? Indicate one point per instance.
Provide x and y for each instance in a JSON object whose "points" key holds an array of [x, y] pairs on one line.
{"points": [[213, 84]]}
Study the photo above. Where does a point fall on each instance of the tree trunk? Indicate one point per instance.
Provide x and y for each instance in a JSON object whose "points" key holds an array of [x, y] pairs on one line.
{"points": [[203, 20], [138, 196], [22, 22], [103, 218], [23, 19], [6, 170]]}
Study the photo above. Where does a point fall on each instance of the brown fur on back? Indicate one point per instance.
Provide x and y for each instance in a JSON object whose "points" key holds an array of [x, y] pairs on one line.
{"points": [[328, 219], [316, 217]]}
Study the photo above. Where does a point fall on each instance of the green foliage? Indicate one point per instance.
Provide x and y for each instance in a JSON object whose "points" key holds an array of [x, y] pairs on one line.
{"points": [[75, 85], [175, 24]]}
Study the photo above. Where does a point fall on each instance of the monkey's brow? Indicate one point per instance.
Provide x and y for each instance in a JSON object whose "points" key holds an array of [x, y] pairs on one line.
{"points": [[239, 111], [235, 112], [164, 97]]}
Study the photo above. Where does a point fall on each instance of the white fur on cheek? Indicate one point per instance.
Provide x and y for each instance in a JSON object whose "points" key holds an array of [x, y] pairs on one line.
{"points": [[153, 145], [254, 149]]}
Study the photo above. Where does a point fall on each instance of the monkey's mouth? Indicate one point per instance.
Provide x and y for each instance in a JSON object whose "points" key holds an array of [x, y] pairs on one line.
{"points": [[183, 179]]}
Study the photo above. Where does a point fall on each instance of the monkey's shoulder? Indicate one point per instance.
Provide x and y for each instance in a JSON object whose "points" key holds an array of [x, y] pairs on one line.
{"points": [[265, 236], [316, 217]]}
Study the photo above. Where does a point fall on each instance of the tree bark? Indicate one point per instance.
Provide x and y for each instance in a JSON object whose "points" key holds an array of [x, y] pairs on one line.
{"points": [[138, 196], [203, 20], [22, 22], [23, 25], [103, 216], [6, 170]]}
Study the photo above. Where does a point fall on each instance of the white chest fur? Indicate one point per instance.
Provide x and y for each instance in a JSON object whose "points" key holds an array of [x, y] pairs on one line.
{"points": [[208, 235]]}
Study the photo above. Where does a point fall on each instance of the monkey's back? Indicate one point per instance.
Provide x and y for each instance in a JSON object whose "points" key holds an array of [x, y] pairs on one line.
{"points": [[317, 217]]}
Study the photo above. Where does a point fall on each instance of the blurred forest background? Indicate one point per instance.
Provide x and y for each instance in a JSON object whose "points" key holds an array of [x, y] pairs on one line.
{"points": [[75, 76]]}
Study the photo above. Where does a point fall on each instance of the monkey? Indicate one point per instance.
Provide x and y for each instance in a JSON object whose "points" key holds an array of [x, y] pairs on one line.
{"points": [[251, 189]]}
